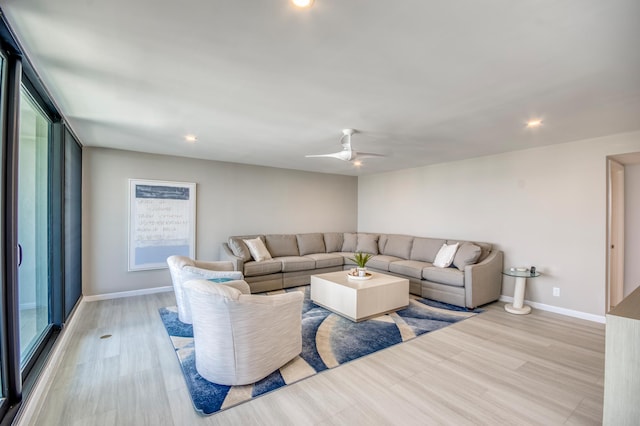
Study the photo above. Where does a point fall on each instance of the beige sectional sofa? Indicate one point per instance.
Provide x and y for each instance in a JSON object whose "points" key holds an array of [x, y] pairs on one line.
{"points": [[474, 278]]}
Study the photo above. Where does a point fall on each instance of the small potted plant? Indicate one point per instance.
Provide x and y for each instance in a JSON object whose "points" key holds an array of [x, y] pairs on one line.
{"points": [[361, 260]]}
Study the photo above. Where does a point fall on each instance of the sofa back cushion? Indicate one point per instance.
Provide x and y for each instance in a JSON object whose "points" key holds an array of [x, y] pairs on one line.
{"points": [[239, 248], [485, 248], [310, 243], [425, 249], [467, 254], [350, 242], [367, 243], [382, 241], [333, 241], [280, 245], [398, 246]]}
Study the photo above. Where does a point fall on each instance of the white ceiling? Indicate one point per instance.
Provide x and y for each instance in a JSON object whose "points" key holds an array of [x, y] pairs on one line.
{"points": [[261, 82]]}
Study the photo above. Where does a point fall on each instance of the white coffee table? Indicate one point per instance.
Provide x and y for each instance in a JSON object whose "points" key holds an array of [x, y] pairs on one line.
{"points": [[359, 300]]}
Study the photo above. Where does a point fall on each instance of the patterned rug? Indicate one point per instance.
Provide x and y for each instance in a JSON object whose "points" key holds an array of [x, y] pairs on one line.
{"points": [[328, 340]]}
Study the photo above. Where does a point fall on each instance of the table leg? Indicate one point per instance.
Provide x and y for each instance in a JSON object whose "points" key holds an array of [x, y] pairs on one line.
{"points": [[518, 306]]}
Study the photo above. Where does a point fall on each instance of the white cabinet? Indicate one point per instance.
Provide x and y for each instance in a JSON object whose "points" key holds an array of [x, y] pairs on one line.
{"points": [[622, 363]]}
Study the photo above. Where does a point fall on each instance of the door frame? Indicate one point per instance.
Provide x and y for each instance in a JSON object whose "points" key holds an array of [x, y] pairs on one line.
{"points": [[615, 233]]}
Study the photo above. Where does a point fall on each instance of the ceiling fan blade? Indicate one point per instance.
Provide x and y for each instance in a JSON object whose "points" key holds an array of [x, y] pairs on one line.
{"points": [[368, 155], [338, 155]]}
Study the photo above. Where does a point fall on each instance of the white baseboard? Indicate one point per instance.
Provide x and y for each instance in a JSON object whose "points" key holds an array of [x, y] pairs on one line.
{"points": [[130, 293], [563, 311]]}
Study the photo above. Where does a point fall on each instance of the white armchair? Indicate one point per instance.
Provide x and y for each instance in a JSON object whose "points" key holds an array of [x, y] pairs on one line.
{"points": [[242, 338], [183, 269]]}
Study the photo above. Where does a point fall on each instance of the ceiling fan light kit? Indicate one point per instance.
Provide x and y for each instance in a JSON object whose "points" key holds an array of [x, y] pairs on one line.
{"points": [[347, 153]]}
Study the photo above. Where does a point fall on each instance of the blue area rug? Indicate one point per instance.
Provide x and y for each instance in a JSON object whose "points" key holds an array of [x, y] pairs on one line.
{"points": [[328, 340]]}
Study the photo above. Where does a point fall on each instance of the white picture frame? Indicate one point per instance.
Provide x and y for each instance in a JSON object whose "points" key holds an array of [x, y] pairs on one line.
{"points": [[162, 222]]}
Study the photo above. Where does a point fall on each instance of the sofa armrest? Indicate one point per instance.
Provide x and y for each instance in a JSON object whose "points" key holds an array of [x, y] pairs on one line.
{"points": [[483, 281], [227, 255]]}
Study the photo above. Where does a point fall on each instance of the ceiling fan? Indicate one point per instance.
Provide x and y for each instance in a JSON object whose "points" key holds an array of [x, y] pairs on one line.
{"points": [[347, 153]]}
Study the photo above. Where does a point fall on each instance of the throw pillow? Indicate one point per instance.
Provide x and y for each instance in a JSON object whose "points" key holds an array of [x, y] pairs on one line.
{"points": [[258, 250], [239, 248], [367, 243], [350, 242], [444, 258], [333, 241], [310, 243], [467, 254]]}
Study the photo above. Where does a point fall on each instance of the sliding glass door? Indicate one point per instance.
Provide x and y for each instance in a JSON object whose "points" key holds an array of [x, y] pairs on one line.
{"points": [[33, 225], [4, 343], [40, 224]]}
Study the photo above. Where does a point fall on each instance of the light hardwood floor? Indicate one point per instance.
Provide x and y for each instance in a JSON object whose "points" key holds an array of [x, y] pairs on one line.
{"points": [[495, 368]]}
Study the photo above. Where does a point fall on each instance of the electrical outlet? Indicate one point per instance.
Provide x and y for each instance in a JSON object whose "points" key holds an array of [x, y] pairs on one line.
{"points": [[556, 291]]}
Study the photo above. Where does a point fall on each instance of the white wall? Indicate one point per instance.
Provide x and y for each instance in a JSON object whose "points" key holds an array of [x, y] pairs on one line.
{"points": [[542, 206], [232, 199], [631, 228]]}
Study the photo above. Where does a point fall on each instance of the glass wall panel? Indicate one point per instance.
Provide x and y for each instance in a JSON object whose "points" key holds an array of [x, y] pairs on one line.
{"points": [[72, 223], [3, 340], [33, 226]]}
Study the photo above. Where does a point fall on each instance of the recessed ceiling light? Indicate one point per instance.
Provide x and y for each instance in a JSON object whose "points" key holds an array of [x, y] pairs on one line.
{"points": [[190, 138], [302, 3], [357, 163], [534, 123]]}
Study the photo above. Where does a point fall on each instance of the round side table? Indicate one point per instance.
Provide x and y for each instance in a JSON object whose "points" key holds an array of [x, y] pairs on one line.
{"points": [[518, 307]]}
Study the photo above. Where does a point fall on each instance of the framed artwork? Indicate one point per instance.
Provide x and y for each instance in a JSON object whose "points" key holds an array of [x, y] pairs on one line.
{"points": [[162, 222]]}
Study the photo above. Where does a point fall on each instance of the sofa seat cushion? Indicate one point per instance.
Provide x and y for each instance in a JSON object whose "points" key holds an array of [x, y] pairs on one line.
{"points": [[326, 260], [449, 276], [280, 245], [346, 257], [296, 263], [382, 262], [253, 268], [398, 245], [410, 268]]}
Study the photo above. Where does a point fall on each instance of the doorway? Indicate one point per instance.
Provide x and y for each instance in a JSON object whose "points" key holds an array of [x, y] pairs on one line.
{"points": [[623, 227], [615, 233]]}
